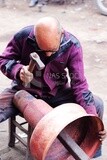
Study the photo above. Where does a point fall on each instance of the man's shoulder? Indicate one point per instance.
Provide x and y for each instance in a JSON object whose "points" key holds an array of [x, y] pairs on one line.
{"points": [[73, 39], [24, 32]]}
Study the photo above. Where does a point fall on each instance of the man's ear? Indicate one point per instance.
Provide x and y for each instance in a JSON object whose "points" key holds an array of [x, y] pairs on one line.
{"points": [[62, 30]]}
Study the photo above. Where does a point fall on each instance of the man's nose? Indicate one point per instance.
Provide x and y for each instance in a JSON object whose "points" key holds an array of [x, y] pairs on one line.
{"points": [[48, 54]]}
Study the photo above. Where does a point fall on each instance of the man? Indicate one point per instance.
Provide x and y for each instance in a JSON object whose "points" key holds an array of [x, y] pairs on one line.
{"points": [[34, 2], [58, 50]]}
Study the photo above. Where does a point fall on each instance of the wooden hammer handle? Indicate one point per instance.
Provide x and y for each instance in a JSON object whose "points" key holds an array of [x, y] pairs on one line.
{"points": [[31, 66]]}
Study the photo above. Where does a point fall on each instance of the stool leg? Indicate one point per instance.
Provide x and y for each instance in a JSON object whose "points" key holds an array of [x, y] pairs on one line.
{"points": [[28, 154], [12, 130]]}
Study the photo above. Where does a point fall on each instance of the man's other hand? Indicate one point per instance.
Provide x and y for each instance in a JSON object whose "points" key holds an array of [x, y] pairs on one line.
{"points": [[102, 135]]}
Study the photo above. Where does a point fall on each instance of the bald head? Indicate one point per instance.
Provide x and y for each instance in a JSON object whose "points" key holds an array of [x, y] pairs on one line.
{"points": [[48, 33]]}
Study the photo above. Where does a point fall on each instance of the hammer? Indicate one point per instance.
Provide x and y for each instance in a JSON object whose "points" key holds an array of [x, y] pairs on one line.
{"points": [[35, 61]]}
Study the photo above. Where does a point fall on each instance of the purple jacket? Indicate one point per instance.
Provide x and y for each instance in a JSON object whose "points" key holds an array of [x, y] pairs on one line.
{"points": [[54, 76]]}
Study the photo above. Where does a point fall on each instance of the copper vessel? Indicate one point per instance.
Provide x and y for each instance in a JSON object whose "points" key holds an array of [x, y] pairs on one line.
{"points": [[48, 123]]}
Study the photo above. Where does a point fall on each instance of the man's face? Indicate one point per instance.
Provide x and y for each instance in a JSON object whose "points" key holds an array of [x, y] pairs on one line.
{"points": [[49, 43]]}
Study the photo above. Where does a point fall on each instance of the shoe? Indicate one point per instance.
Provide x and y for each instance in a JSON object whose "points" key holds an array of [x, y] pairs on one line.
{"points": [[33, 3]]}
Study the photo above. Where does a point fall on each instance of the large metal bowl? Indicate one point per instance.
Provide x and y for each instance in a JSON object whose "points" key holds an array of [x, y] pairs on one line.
{"points": [[72, 118]]}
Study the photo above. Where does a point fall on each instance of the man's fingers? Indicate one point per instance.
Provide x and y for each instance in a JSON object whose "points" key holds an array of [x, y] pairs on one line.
{"points": [[25, 75], [102, 135]]}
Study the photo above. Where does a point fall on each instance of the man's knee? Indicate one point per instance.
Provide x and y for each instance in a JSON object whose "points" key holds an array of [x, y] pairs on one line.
{"points": [[99, 106], [7, 113]]}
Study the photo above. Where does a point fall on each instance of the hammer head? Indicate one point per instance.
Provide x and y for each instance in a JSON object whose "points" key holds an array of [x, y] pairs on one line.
{"points": [[37, 61]]}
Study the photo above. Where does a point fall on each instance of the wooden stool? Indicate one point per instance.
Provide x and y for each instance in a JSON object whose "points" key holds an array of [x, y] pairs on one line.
{"points": [[13, 135]]}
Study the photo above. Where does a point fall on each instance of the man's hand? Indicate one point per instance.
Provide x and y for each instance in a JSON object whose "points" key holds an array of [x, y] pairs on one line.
{"points": [[25, 75], [102, 135]]}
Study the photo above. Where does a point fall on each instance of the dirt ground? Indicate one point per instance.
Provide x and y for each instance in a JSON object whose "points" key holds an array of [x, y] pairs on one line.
{"points": [[81, 19]]}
